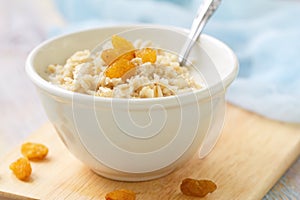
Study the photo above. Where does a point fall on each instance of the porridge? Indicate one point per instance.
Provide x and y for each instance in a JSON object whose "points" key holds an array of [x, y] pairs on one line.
{"points": [[123, 70]]}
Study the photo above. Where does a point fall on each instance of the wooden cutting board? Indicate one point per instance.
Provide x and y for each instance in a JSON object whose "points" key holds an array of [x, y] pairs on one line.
{"points": [[251, 155]]}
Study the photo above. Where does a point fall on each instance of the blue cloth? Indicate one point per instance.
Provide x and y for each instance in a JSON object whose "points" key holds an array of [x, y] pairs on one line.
{"points": [[265, 34]]}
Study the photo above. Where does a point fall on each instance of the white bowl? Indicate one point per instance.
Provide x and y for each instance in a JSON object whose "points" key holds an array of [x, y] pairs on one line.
{"points": [[136, 139]]}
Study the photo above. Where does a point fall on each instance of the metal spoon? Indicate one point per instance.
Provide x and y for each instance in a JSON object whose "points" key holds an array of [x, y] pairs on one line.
{"points": [[205, 11]]}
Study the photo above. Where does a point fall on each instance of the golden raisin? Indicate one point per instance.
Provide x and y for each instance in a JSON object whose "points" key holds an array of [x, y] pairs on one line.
{"points": [[121, 195], [21, 168], [109, 55], [118, 58], [121, 44], [119, 68], [197, 188], [146, 54], [34, 151], [129, 55]]}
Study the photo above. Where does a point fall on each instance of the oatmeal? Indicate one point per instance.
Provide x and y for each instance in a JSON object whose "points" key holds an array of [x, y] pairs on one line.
{"points": [[123, 70]]}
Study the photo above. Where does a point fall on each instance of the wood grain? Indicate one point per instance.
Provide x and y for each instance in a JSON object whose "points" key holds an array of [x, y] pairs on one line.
{"points": [[251, 155]]}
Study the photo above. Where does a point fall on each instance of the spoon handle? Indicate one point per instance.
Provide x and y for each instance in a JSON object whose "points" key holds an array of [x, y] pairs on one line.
{"points": [[205, 11]]}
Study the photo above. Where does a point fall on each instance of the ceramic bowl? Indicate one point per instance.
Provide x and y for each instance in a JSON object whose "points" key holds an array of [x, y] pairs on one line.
{"points": [[137, 139]]}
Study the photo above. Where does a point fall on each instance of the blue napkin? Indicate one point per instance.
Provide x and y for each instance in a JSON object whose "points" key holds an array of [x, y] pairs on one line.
{"points": [[265, 35]]}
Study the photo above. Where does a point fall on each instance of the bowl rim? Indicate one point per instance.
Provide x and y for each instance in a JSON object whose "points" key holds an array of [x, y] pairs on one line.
{"points": [[66, 94]]}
